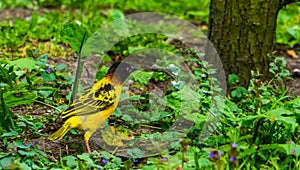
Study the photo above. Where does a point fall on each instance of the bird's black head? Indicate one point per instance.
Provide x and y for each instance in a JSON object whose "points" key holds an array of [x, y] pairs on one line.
{"points": [[123, 70]]}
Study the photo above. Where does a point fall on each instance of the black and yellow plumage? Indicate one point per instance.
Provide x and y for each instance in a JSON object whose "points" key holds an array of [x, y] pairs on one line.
{"points": [[95, 106]]}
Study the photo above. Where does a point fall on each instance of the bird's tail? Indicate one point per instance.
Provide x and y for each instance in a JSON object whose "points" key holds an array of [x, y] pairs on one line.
{"points": [[61, 132]]}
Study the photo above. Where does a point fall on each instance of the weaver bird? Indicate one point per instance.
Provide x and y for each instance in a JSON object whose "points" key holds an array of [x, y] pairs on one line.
{"points": [[95, 106]]}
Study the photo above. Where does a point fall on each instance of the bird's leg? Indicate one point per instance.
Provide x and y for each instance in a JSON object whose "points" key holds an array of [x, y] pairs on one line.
{"points": [[87, 136], [87, 147]]}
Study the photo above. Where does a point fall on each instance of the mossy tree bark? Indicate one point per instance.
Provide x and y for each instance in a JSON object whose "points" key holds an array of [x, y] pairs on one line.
{"points": [[243, 34]]}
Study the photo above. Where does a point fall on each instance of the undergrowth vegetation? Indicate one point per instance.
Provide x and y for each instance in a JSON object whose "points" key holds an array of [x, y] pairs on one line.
{"points": [[258, 127]]}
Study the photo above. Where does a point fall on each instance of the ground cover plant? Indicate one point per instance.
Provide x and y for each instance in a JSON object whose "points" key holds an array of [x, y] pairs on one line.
{"points": [[40, 42]]}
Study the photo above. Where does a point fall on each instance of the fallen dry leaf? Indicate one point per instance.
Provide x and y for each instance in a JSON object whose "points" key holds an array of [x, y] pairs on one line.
{"points": [[292, 53]]}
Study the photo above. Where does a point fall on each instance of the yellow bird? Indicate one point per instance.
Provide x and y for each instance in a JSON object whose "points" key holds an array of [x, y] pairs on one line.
{"points": [[95, 106]]}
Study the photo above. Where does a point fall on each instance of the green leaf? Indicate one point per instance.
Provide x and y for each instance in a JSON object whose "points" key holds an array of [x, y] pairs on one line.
{"points": [[204, 162], [248, 121], [102, 72], [60, 67], [232, 107], [88, 160], [265, 101], [117, 113], [163, 115], [71, 161], [114, 14], [42, 60], [73, 34], [33, 21], [85, 157], [106, 58], [295, 102], [48, 76], [278, 112], [142, 77], [6, 114], [132, 50], [23, 63], [291, 149], [189, 99], [26, 153], [28, 81], [6, 162], [174, 100], [23, 97], [7, 75], [40, 153], [239, 92], [135, 153], [293, 32], [21, 124], [20, 144], [247, 152], [24, 166], [119, 24], [127, 118], [233, 79], [281, 114], [135, 97], [45, 93], [10, 134]]}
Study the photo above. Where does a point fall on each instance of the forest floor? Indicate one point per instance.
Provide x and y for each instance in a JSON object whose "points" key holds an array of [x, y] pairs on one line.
{"points": [[38, 110]]}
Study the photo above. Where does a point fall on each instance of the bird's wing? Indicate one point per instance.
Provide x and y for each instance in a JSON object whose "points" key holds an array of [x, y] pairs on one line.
{"points": [[100, 97]]}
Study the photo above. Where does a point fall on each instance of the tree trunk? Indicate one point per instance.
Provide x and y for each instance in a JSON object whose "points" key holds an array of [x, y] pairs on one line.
{"points": [[243, 34]]}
